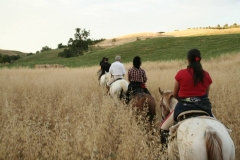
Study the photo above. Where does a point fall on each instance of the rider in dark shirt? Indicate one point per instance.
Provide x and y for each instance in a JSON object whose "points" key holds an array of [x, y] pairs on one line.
{"points": [[102, 61], [104, 67]]}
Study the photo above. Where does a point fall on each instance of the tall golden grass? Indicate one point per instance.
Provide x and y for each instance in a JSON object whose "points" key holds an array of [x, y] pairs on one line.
{"points": [[63, 114]]}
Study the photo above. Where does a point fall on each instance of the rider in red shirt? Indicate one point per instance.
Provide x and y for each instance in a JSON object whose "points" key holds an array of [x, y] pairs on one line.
{"points": [[191, 89], [187, 88]]}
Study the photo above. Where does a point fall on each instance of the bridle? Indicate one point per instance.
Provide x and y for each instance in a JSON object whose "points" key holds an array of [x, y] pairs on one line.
{"points": [[163, 108]]}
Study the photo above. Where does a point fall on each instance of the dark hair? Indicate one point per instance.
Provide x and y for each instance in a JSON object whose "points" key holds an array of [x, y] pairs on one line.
{"points": [[106, 59], [137, 62], [103, 58], [194, 57]]}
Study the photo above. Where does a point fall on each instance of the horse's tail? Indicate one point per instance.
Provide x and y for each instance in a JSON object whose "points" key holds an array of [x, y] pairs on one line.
{"points": [[213, 145], [125, 86], [121, 94]]}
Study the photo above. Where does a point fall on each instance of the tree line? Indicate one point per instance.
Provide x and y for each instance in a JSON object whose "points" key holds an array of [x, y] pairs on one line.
{"points": [[75, 46], [8, 59], [225, 26], [78, 45]]}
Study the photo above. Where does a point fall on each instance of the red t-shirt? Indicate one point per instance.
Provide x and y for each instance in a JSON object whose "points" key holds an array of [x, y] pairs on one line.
{"points": [[186, 84]]}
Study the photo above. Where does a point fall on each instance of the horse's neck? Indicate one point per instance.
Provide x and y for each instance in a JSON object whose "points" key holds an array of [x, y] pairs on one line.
{"points": [[108, 76], [172, 104]]}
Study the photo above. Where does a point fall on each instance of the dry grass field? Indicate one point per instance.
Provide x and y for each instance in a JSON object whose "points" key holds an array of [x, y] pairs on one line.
{"points": [[201, 32], [62, 113], [179, 33]]}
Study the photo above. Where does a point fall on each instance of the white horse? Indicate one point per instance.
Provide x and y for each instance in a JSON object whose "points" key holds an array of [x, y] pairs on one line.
{"points": [[117, 89], [198, 138], [102, 81], [99, 72]]}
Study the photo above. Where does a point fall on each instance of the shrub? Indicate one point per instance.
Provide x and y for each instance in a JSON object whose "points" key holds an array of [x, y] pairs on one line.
{"points": [[6, 58]]}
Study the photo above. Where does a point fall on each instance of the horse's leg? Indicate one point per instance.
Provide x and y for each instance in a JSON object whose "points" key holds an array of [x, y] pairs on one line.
{"points": [[115, 99], [108, 90]]}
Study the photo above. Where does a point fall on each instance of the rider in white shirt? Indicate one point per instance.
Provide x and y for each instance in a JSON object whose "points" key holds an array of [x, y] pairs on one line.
{"points": [[117, 70]]}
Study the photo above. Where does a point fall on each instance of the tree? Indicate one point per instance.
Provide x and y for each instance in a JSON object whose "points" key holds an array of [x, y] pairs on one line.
{"points": [[234, 25], [46, 48], [0, 57], [80, 43], [60, 45], [225, 26], [15, 57], [66, 53], [6, 58], [29, 54]]}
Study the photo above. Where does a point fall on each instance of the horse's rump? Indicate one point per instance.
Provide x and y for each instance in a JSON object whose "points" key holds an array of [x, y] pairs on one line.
{"points": [[118, 90], [102, 81], [201, 138], [141, 100]]}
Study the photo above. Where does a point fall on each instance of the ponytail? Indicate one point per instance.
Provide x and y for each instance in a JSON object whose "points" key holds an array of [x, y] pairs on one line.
{"points": [[194, 57]]}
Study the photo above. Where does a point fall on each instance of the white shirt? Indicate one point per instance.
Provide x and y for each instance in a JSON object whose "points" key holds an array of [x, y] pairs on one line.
{"points": [[117, 68]]}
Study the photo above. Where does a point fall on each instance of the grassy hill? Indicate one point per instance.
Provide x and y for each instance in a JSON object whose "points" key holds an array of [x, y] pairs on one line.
{"points": [[156, 49], [12, 53]]}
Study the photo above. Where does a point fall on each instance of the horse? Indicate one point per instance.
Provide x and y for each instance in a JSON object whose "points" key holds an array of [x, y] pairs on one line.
{"points": [[102, 81], [198, 138], [117, 89], [140, 100], [99, 72]]}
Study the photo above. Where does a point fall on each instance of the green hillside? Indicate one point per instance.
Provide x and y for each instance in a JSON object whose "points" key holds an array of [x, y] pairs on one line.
{"points": [[12, 53], [157, 49]]}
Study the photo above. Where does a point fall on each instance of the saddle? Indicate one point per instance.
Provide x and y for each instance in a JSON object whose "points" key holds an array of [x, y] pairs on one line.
{"points": [[115, 81], [191, 113], [138, 90]]}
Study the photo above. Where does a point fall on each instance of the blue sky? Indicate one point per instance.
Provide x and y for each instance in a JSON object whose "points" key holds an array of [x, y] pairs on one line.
{"points": [[28, 25]]}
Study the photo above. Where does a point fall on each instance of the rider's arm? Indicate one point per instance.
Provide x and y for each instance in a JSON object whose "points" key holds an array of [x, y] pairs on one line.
{"points": [[208, 88], [176, 89], [144, 77]]}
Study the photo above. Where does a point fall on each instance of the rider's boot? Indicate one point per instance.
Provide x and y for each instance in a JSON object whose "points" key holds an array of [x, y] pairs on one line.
{"points": [[164, 137], [127, 100]]}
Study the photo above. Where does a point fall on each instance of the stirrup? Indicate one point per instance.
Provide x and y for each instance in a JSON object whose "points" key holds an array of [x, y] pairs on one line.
{"points": [[164, 136]]}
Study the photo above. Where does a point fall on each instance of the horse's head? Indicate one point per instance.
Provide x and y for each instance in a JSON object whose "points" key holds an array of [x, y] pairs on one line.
{"points": [[167, 102], [107, 76]]}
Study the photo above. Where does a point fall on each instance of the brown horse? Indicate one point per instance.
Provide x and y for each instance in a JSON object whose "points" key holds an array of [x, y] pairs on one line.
{"points": [[141, 100]]}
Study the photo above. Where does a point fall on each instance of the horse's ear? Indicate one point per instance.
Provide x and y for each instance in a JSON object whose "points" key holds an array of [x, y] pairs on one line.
{"points": [[160, 91], [170, 95]]}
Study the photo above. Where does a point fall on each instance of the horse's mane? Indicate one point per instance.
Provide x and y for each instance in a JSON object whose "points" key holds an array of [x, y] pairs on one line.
{"points": [[170, 99], [167, 91]]}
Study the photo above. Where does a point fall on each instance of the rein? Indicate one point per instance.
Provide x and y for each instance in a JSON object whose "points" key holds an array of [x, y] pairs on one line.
{"points": [[164, 107], [166, 117]]}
